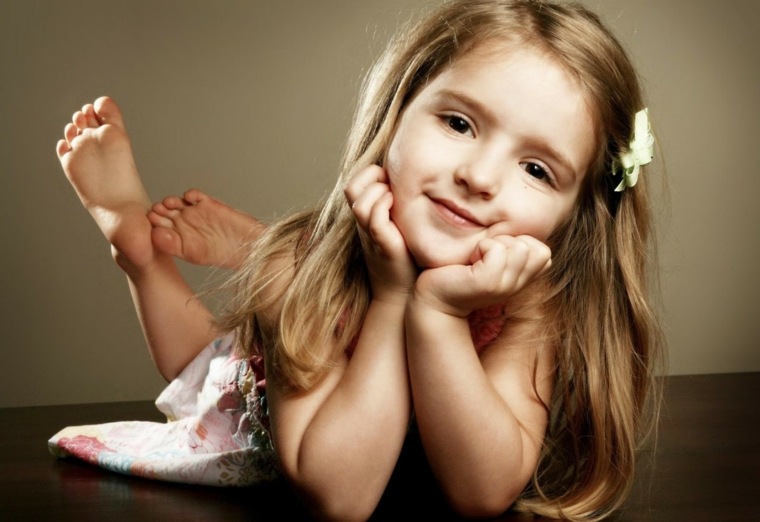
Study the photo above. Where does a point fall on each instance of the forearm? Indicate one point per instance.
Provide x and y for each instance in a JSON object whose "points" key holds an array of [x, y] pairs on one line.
{"points": [[472, 439], [176, 324], [349, 448]]}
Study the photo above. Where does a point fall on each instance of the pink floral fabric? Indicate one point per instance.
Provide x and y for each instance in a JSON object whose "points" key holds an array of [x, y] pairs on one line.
{"points": [[485, 325], [216, 434]]}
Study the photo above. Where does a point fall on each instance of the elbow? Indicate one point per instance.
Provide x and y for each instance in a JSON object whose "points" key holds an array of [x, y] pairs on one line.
{"points": [[484, 502], [169, 374], [324, 504], [327, 502], [343, 509], [479, 508]]}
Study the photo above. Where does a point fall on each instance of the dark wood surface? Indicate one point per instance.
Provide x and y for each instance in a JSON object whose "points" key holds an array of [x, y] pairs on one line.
{"points": [[706, 468]]}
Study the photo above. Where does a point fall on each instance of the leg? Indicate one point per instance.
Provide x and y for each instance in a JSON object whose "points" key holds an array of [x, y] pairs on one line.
{"points": [[97, 158], [202, 230]]}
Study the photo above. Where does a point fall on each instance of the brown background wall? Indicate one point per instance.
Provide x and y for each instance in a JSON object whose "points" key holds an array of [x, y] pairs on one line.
{"points": [[250, 101]]}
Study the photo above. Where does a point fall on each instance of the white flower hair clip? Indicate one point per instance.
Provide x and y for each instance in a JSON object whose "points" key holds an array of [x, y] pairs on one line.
{"points": [[641, 152]]}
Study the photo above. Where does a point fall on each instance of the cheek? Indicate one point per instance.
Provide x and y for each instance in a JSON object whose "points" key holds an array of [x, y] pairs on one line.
{"points": [[394, 164], [548, 223], [394, 155], [406, 152], [540, 228], [400, 177], [552, 223], [545, 229], [537, 223]]}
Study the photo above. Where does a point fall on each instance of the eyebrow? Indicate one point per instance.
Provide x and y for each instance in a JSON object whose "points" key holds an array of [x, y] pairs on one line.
{"points": [[485, 111], [473, 104], [560, 158]]}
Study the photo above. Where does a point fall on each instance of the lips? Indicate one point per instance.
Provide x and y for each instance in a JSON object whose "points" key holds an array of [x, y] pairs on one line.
{"points": [[455, 214]]}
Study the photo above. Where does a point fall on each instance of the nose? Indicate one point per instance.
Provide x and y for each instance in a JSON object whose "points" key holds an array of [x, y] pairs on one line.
{"points": [[480, 177]]}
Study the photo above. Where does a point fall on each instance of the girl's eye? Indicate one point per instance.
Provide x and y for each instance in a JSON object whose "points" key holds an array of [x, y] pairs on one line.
{"points": [[536, 170], [459, 125]]}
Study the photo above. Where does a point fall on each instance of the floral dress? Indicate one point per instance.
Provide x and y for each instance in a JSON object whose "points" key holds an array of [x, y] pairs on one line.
{"points": [[217, 429]]}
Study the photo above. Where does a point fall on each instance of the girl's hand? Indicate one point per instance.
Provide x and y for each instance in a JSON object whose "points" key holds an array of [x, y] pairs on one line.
{"points": [[392, 271], [501, 267]]}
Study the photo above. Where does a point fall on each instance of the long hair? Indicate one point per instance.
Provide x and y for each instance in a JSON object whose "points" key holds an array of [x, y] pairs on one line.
{"points": [[603, 330]]}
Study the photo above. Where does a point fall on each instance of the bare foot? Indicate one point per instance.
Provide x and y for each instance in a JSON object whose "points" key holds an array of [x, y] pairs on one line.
{"points": [[97, 158], [203, 230]]}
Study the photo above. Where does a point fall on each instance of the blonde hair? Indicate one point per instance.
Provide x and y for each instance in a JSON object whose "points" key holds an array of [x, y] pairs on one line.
{"points": [[604, 332]]}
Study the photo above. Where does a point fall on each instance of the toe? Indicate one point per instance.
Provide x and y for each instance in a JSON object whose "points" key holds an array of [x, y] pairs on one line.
{"points": [[193, 196], [106, 111], [79, 120], [167, 241], [89, 114], [173, 203], [70, 132], [162, 210], [159, 209], [159, 220], [62, 148]]}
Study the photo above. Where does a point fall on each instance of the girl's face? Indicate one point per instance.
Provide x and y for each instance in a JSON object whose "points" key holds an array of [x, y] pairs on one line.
{"points": [[497, 144]]}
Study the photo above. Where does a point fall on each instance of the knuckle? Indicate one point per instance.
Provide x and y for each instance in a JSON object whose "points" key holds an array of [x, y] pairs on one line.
{"points": [[348, 193], [375, 229], [521, 248]]}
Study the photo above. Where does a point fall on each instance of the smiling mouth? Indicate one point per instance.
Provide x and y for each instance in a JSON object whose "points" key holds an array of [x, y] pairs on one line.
{"points": [[455, 215]]}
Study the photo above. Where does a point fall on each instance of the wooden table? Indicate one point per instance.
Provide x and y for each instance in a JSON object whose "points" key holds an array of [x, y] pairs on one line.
{"points": [[706, 468]]}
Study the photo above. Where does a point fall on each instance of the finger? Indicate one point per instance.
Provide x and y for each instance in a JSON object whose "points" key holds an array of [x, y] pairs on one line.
{"points": [[540, 254], [382, 230], [493, 254], [364, 204], [504, 260], [510, 263], [489, 243], [363, 179], [526, 258], [538, 249]]}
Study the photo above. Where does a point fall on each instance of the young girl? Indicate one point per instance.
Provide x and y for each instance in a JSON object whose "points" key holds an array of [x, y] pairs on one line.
{"points": [[482, 262]]}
